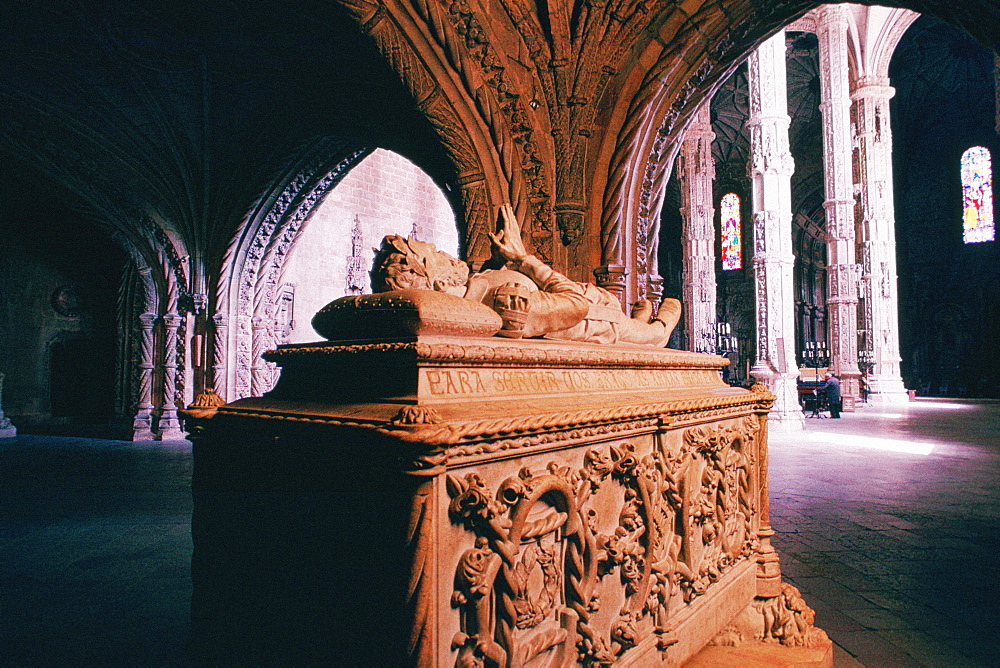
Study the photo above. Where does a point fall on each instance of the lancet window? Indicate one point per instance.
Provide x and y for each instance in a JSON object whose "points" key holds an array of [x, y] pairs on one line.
{"points": [[977, 196], [732, 232]]}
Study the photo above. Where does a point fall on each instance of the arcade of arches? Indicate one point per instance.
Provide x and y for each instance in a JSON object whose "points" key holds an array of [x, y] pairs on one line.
{"points": [[185, 184]]}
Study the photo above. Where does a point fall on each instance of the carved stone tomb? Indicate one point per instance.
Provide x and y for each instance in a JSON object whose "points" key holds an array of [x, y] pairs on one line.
{"points": [[442, 500]]}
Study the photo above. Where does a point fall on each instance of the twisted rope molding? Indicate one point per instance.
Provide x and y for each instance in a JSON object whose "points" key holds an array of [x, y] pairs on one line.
{"points": [[529, 429]]}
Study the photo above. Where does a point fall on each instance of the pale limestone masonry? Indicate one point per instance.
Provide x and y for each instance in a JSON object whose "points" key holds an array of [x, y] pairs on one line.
{"points": [[387, 194], [696, 169], [842, 269], [864, 295], [771, 168], [876, 225]]}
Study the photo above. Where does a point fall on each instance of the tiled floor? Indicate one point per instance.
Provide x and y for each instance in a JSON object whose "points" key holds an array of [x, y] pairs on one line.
{"points": [[889, 523]]}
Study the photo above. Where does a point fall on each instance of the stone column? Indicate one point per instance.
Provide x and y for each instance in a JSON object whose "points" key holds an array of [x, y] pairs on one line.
{"points": [[842, 269], [996, 87], [170, 427], [771, 168], [220, 350], [7, 429], [880, 303], [697, 172], [260, 374], [768, 562], [142, 424]]}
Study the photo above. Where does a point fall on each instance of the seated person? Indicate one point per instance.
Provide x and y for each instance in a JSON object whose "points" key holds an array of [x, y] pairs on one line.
{"points": [[533, 300]]}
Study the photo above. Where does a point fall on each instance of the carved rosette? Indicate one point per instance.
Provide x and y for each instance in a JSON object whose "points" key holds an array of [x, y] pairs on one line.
{"points": [[583, 560]]}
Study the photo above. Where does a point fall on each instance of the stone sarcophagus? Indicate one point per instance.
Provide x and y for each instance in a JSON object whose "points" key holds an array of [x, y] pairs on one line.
{"points": [[437, 501]]}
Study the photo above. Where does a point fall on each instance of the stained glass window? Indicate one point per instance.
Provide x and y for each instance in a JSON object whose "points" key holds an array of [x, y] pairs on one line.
{"points": [[977, 196], [732, 235]]}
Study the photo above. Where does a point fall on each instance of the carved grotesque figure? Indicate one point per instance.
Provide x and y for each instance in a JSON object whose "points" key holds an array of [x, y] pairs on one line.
{"points": [[532, 299]]}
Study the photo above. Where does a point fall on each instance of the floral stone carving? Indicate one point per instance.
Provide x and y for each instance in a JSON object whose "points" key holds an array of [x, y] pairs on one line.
{"points": [[606, 551], [783, 619]]}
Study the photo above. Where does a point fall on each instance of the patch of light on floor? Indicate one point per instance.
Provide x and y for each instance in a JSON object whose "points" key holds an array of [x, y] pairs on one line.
{"points": [[888, 444], [935, 404]]}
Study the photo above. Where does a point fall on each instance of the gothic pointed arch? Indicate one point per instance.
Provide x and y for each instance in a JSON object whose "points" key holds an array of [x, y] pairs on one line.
{"points": [[639, 157], [245, 297], [445, 58], [650, 116], [576, 110]]}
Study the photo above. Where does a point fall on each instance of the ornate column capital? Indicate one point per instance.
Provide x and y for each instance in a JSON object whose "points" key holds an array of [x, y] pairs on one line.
{"points": [[872, 87], [611, 277]]}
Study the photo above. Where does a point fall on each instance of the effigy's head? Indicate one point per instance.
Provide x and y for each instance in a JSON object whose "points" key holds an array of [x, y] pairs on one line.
{"points": [[401, 264]]}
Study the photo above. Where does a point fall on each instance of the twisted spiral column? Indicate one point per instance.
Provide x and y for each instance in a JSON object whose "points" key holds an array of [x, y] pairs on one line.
{"points": [[220, 351], [142, 424], [170, 427]]}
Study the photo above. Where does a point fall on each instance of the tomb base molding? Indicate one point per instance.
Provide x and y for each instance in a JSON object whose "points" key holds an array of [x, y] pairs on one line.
{"points": [[443, 501]]}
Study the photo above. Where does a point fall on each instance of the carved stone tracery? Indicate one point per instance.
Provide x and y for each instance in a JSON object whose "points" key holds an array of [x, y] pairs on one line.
{"points": [[258, 261]]}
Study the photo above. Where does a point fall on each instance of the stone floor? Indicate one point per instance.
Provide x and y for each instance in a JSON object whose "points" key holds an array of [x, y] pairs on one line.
{"points": [[95, 552], [889, 522]]}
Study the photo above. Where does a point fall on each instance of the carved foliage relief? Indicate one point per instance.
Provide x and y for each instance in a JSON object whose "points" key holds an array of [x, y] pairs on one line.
{"points": [[578, 560]]}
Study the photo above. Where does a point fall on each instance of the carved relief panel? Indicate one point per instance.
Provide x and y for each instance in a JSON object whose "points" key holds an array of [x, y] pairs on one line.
{"points": [[579, 556]]}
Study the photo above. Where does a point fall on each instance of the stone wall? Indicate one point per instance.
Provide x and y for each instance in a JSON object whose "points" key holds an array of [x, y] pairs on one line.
{"points": [[384, 194], [32, 328]]}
